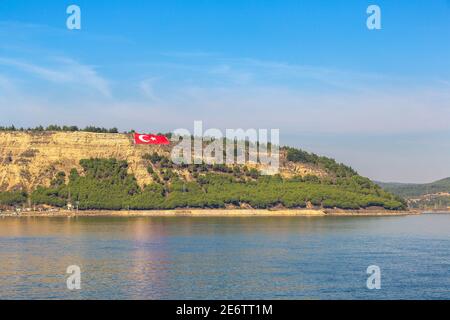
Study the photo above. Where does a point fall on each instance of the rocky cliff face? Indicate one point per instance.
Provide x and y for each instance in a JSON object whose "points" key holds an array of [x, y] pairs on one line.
{"points": [[29, 159]]}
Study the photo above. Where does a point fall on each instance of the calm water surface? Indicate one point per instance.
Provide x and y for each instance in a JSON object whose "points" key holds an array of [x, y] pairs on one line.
{"points": [[226, 258]]}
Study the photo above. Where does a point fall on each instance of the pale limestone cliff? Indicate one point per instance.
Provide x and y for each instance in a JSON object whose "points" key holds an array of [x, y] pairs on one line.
{"points": [[29, 159]]}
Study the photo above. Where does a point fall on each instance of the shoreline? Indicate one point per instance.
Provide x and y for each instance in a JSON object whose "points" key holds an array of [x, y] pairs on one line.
{"points": [[216, 213]]}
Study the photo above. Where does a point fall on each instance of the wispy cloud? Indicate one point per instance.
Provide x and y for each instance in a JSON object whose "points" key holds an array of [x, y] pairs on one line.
{"points": [[64, 70], [240, 77], [222, 70], [6, 84], [190, 54], [322, 74], [147, 88], [249, 92]]}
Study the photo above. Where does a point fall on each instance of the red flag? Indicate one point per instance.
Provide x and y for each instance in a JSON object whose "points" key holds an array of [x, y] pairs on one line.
{"points": [[150, 139]]}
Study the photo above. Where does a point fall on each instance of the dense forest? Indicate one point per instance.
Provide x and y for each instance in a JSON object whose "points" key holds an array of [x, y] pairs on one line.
{"points": [[106, 184]]}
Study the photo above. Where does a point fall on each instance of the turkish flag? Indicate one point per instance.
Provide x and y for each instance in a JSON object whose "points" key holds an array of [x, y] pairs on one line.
{"points": [[150, 139]]}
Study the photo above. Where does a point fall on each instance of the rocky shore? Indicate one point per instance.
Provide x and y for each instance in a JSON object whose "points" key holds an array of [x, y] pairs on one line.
{"points": [[213, 213]]}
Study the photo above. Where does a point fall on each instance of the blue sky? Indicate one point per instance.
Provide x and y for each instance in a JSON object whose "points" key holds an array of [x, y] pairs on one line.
{"points": [[377, 100]]}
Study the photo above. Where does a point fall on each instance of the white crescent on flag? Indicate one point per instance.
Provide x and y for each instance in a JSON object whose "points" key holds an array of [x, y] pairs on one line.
{"points": [[141, 137]]}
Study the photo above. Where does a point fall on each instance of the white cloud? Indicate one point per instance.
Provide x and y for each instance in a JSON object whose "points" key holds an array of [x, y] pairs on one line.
{"points": [[387, 111], [147, 89], [6, 84], [245, 101], [63, 71], [235, 76]]}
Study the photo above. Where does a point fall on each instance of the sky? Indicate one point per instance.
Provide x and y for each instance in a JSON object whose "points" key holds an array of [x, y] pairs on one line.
{"points": [[378, 100]]}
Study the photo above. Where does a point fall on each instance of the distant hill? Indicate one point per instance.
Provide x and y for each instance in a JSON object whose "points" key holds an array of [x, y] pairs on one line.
{"points": [[409, 190]]}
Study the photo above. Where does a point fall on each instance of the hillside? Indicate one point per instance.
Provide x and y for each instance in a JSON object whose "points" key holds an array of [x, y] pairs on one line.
{"points": [[30, 159], [107, 171], [434, 195], [409, 190]]}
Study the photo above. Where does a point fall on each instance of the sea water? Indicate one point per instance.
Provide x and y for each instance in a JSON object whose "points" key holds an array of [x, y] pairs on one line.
{"points": [[226, 258]]}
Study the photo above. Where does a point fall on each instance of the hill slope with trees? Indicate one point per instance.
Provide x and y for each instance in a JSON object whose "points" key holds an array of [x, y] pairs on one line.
{"points": [[112, 180], [409, 190], [426, 196]]}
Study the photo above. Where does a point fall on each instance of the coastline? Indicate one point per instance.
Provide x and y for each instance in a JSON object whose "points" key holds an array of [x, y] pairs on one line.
{"points": [[216, 213]]}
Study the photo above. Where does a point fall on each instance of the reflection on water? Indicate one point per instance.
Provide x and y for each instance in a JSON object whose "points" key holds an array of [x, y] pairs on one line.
{"points": [[226, 258]]}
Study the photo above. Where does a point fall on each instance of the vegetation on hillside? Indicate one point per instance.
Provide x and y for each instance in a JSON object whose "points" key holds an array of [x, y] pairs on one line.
{"points": [[330, 165], [106, 184], [13, 198], [431, 202], [61, 128], [409, 190]]}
